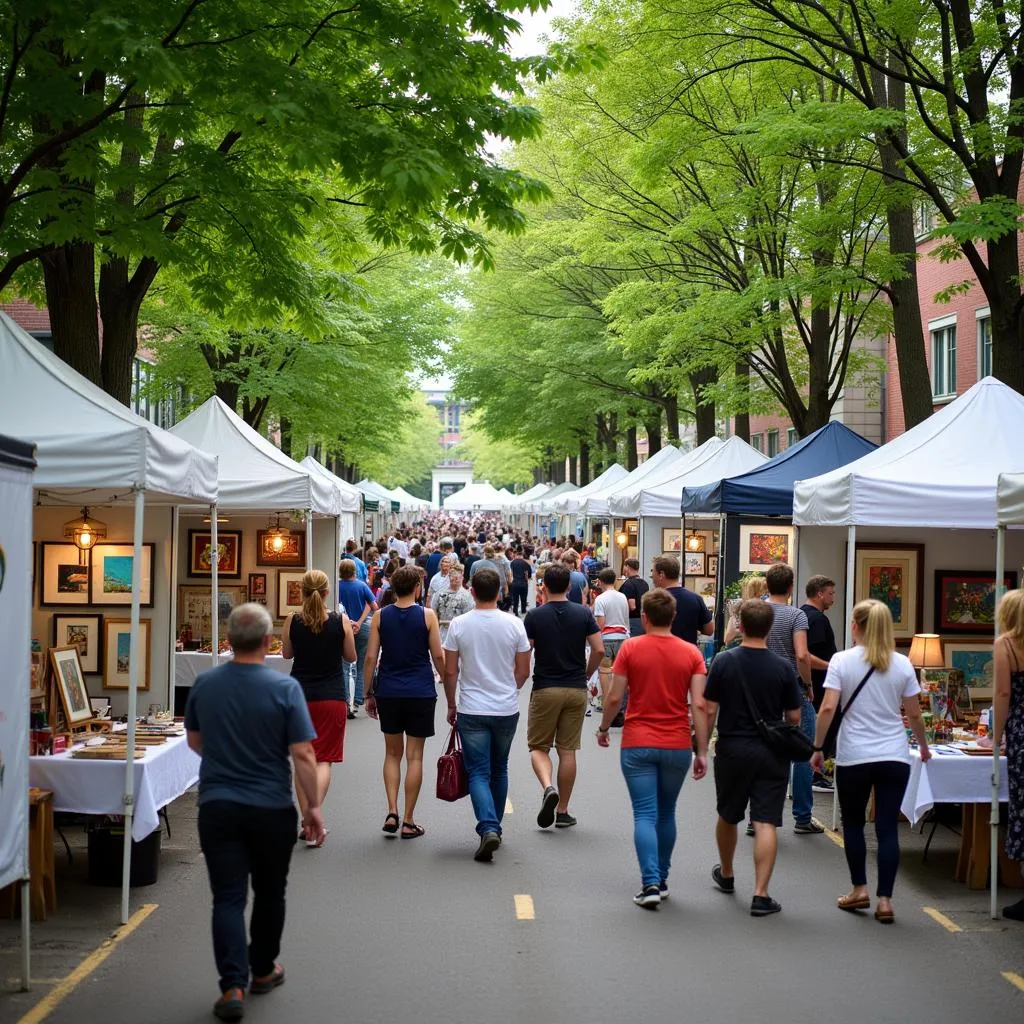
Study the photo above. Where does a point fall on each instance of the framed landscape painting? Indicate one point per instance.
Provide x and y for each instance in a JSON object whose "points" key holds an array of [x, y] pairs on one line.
{"points": [[200, 553], [84, 632], [117, 661], [894, 575], [110, 577], [63, 580], [762, 546], [965, 600]]}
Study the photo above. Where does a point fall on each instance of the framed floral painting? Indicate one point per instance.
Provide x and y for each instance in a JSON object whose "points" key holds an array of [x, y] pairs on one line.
{"points": [[894, 575], [965, 600], [762, 546], [200, 553]]}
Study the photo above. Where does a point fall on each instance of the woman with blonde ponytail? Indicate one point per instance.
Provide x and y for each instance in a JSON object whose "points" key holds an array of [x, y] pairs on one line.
{"points": [[875, 687], [320, 642]]}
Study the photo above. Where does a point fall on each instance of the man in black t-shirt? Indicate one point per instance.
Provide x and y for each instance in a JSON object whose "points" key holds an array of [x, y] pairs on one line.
{"points": [[521, 573], [693, 616], [821, 645], [746, 769], [560, 633], [633, 588]]}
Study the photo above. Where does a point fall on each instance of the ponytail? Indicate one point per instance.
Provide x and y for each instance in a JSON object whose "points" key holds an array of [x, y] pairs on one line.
{"points": [[874, 620], [314, 584]]}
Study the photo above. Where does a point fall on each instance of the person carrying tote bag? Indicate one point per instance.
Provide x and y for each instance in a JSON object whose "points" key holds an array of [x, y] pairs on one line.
{"points": [[872, 751]]}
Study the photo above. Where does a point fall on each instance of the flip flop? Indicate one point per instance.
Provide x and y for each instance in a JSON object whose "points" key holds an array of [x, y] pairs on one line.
{"points": [[414, 831], [390, 826], [854, 902]]}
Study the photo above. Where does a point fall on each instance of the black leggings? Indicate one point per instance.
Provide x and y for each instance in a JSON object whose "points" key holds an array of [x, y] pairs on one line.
{"points": [[854, 783]]}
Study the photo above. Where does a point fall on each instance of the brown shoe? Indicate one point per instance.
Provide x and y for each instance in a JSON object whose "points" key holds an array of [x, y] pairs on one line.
{"points": [[885, 916], [231, 1005], [261, 986]]}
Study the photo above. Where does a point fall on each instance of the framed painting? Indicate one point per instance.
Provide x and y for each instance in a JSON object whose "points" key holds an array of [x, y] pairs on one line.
{"points": [[704, 587], [894, 575], [70, 685], [289, 593], [84, 632], [762, 546], [292, 553], [200, 553], [117, 660], [110, 574], [258, 587], [671, 539], [194, 604], [694, 563], [974, 660], [713, 565], [965, 600], [63, 580]]}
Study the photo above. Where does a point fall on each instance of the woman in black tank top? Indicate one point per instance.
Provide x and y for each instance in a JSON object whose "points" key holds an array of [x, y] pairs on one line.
{"points": [[319, 642]]}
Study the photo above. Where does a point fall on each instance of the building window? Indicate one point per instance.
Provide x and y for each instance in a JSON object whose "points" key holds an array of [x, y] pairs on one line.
{"points": [[757, 442], [984, 346], [773, 443], [791, 438], [944, 361], [140, 378]]}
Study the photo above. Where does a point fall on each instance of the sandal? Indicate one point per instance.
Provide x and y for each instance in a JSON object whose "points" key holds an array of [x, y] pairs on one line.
{"points": [[411, 831], [390, 826], [885, 916], [261, 986], [851, 902]]}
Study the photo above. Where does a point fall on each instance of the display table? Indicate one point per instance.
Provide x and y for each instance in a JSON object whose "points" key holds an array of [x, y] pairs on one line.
{"points": [[952, 777], [82, 786], [189, 664]]}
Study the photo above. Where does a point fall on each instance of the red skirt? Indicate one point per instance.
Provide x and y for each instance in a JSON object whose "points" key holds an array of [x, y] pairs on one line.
{"points": [[329, 718]]}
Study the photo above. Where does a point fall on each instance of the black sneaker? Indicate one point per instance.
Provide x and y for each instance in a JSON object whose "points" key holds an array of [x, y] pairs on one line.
{"points": [[663, 888], [489, 842], [1015, 911], [823, 785], [808, 828], [750, 828], [648, 897], [231, 1005], [724, 884], [762, 906], [563, 819], [546, 814]]}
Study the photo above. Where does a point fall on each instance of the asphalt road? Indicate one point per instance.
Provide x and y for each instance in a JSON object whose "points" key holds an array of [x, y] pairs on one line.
{"points": [[386, 930]]}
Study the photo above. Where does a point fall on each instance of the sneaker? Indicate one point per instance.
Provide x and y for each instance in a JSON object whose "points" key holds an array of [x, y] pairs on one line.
{"points": [[563, 819], [231, 1005], [750, 828], [808, 828], [648, 897], [724, 884], [351, 714], [762, 906], [590, 711], [546, 814], [663, 888], [489, 842], [823, 785], [1015, 911]]}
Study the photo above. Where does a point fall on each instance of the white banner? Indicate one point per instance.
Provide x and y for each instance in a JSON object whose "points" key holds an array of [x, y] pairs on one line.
{"points": [[15, 645]]}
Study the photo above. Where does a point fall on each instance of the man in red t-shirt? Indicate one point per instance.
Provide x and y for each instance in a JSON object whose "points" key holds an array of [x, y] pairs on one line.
{"points": [[662, 673]]}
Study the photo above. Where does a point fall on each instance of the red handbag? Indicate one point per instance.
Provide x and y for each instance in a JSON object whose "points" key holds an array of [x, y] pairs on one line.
{"points": [[452, 780]]}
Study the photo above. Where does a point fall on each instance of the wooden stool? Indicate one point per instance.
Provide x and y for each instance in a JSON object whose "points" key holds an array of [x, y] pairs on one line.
{"points": [[42, 881], [972, 864]]}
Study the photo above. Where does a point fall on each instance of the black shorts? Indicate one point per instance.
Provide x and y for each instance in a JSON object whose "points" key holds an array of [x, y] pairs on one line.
{"points": [[750, 773], [412, 715]]}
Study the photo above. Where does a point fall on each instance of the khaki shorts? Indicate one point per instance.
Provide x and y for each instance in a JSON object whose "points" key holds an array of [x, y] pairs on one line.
{"points": [[556, 718]]}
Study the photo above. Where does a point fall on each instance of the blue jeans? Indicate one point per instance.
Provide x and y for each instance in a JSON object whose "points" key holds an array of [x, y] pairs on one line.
{"points": [[354, 669], [803, 795], [486, 741], [654, 778]]}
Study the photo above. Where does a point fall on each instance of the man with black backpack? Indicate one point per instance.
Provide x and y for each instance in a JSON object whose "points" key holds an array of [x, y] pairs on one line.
{"points": [[747, 769]]}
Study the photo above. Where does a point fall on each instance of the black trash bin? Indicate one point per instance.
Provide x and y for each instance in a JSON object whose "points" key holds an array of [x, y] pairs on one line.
{"points": [[106, 853]]}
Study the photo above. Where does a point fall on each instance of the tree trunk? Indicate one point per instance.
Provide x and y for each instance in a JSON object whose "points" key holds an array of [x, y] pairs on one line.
{"points": [[632, 457], [585, 476], [705, 408], [1005, 306], [286, 436], [119, 309], [574, 470], [558, 471], [741, 421], [69, 274], [653, 428], [671, 407], [818, 404], [612, 440]]}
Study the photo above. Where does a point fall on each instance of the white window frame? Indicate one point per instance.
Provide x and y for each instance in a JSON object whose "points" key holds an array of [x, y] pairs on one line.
{"points": [[942, 323], [982, 316], [769, 435], [757, 442], [791, 437]]}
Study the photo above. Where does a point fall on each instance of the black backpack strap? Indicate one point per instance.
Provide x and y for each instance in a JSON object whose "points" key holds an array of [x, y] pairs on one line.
{"points": [[751, 706], [860, 686]]}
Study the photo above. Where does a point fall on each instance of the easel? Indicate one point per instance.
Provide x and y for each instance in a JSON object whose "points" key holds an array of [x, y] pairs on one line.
{"points": [[58, 716]]}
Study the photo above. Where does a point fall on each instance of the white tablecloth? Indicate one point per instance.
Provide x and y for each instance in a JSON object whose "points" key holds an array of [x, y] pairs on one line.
{"points": [[950, 778], [188, 665], [81, 786]]}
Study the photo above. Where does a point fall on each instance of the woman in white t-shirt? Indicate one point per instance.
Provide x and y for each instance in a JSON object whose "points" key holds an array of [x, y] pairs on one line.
{"points": [[872, 751]]}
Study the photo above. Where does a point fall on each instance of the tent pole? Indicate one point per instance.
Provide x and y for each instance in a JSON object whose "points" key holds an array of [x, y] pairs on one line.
{"points": [[339, 546], [135, 654], [994, 815], [26, 936], [851, 568], [175, 526], [214, 588], [309, 539], [720, 610]]}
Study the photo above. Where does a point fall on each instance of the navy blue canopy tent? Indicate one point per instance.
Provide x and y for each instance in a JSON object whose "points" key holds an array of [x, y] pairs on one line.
{"points": [[768, 489]]}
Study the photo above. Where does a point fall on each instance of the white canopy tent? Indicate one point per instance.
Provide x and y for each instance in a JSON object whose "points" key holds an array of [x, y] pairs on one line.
{"points": [[595, 505], [570, 502], [475, 497], [506, 495], [945, 473], [542, 504], [351, 503], [91, 449], [410, 503], [536, 491]]}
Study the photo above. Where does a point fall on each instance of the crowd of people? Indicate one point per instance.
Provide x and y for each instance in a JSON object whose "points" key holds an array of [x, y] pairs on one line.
{"points": [[446, 603]]}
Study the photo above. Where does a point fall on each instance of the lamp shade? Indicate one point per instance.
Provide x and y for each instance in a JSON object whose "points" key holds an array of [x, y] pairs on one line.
{"points": [[926, 651]]}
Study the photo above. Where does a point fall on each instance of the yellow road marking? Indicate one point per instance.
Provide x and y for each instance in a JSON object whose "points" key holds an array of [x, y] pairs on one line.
{"points": [[508, 806], [1014, 979], [60, 992], [524, 908], [836, 838], [940, 918]]}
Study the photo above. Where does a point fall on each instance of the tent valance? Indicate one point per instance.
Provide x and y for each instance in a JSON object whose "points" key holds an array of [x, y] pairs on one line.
{"points": [[350, 497], [571, 501], [595, 505]]}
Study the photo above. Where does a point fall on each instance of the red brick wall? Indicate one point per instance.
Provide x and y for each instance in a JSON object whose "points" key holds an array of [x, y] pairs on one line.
{"points": [[27, 316]]}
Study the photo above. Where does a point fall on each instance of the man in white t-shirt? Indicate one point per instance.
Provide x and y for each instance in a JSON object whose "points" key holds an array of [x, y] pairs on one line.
{"points": [[611, 609], [487, 655]]}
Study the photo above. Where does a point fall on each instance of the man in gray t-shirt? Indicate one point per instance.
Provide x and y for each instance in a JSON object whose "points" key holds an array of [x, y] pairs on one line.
{"points": [[788, 639]]}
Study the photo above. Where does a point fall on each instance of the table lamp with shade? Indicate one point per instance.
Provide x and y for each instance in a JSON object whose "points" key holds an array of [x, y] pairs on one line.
{"points": [[926, 652]]}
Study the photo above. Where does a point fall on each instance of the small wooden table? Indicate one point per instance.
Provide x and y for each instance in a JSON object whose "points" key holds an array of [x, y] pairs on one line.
{"points": [[972, 862], [42, 880]]}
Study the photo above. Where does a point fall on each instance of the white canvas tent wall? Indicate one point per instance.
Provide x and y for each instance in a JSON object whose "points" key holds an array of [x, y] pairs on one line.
{"points": [[595, 505], [477, 496], [570, 503], [92, 450], [410, 503], [942, 474], [16, 466], [350, 506]]}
